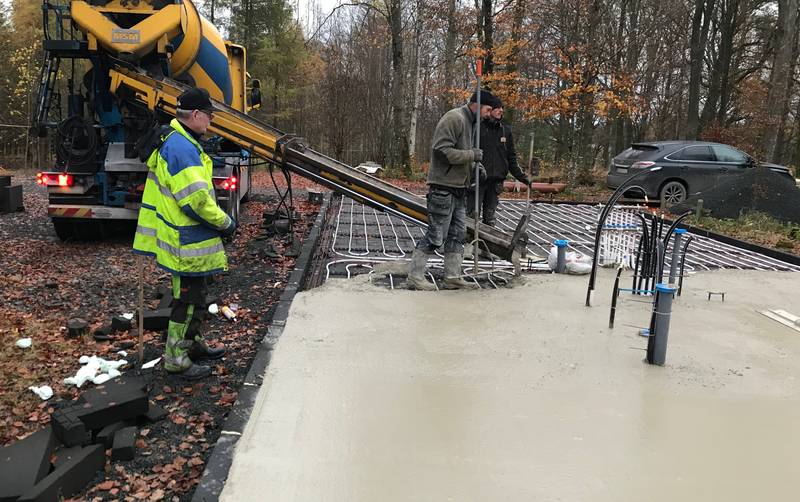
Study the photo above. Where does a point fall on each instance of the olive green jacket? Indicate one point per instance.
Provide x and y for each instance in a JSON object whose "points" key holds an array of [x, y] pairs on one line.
{"points": [[451, 156]]}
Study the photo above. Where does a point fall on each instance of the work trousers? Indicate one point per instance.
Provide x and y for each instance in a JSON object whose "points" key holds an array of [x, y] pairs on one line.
{"points": [[488, 198], [188, 314], [447, 223]]}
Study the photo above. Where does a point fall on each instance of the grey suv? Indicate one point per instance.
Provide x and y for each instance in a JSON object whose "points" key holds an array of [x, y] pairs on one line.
{"points": [[687, 167]]}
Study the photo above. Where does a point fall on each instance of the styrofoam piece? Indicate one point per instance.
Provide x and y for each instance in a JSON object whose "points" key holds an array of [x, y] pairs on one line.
{"points": [[577, 263], [92, 368], [128, 316], [45, 392], [24, 343], [150, 364], [101, 379], [213, 309]]}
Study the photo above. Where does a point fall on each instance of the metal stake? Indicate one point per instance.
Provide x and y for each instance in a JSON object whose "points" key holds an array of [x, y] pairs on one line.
{"points": [[140, 266], [476, 249]]}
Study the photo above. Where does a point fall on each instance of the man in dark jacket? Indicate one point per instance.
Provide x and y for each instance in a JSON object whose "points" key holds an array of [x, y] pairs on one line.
{"points": [[499, 158], [452, 161]]}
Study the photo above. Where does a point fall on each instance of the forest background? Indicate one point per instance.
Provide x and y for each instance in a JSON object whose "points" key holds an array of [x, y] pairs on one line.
{"points": [[581, 79]]}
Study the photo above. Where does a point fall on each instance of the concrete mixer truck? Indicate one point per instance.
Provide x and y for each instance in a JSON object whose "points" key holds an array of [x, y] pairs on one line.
{"points": [[126, 62]]}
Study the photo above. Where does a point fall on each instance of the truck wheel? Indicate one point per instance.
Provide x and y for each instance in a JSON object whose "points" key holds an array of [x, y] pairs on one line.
{"points": [[673, 192], [64, 229], [74, 229]]}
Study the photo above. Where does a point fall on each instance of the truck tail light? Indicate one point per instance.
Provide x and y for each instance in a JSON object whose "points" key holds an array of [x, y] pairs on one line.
{"points": [[55, 179], [228, 183]]}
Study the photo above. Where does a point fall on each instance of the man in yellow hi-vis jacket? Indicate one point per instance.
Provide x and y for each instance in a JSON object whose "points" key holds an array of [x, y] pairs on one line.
{"points": [[181, 225]]}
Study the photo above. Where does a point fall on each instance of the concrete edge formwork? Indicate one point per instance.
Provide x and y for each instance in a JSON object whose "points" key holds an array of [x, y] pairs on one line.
{"points": [[219, 463]]}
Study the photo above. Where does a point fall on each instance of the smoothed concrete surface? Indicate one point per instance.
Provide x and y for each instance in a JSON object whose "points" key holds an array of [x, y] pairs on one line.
{"points": [[525, 394]]}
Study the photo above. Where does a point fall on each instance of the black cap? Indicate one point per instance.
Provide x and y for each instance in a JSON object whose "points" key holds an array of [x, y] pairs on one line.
{"points": [[487, 98], [498, 103], [195, 99]]}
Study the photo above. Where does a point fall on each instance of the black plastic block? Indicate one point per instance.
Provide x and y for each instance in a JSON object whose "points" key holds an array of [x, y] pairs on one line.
{"points": [[65, 454], [5, 181], [24, 463], [70, 478], [165, 301], [116, 385], [68, 428], [119, 323], [11, 199], [156, 320], [163, 290], [106, 435], [124, 444], [155, 413], [103, 333], [107, 406]]}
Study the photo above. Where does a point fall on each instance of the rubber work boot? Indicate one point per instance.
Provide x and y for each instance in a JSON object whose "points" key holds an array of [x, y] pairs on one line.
{"points": [[193, 372], [452, 273], [200, 350], [416, 272]]}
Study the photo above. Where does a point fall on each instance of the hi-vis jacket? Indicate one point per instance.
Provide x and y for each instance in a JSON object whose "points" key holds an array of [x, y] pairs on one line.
{"points": [[179, 221]]}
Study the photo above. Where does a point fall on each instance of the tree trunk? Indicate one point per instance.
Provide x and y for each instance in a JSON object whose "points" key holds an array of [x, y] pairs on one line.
{"points": [[780, 141], [778, 96], [700, 24], [400, 153], [487, 14], [417, 95], [729, 28], [585, 116], [449, 55], [514, 65]]}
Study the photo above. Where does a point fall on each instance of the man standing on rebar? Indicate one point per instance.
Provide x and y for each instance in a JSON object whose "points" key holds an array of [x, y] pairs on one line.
{"points": [[181, 225], [452, 159], [499, 157]]}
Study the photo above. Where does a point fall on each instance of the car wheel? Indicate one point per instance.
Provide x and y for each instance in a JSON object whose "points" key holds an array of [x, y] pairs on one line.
{"points": [[673, 192]]}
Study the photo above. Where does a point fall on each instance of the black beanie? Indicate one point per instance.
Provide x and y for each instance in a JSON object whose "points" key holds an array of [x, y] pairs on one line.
{"points": [[487, 98]]}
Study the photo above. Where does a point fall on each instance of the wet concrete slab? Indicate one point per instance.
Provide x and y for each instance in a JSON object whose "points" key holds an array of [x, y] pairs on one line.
{"points": [[525, 394]]}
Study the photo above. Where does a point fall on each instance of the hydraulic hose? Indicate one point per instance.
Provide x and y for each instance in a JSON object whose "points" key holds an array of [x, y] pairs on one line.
{"points": [[77, 143]]}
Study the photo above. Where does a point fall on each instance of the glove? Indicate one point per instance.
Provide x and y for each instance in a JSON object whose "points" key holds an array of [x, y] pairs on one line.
{"points": [[477, 154], [229, 230], [481, 171]]}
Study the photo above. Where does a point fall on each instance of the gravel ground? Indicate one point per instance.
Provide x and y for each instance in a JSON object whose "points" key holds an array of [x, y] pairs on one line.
{"points": [[46, 282]]}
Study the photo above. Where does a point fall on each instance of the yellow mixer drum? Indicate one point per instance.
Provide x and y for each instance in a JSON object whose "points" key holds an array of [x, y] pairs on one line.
{"points": [[140, 28]]}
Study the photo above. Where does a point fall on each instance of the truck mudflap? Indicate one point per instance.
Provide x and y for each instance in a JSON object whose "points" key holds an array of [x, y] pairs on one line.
{"points": [[92, 212]]}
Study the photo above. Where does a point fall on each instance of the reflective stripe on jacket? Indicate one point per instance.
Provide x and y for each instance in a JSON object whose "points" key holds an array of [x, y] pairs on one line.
{"points": [[179, 220]]}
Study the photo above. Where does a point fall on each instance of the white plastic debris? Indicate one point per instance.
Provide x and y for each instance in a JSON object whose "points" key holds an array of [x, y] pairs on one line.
{"points": [[101, 378], [44, 392], [24, 343], [213, 309], [92, 368], [122, 353], [150, 364], [128, 316], [577, 263]]}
